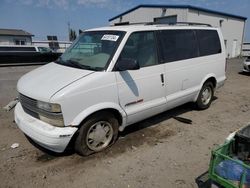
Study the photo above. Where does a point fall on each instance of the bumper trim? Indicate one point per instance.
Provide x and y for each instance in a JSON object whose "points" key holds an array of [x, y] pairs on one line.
{"points": [[50, 137]]}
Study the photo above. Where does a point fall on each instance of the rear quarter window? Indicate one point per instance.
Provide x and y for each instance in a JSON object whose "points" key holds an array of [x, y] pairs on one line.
{"points": [[209, 42]]}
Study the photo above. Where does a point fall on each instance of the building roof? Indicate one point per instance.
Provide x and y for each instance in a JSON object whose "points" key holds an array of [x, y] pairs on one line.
{"points": [[14, 32], [179, 7]]}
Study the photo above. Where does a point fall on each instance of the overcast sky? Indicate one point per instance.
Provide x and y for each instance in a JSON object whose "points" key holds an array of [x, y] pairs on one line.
{"points": [[50, 17]]}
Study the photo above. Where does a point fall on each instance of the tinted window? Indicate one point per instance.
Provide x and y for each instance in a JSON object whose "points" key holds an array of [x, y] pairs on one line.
{"points": [[177, 45], [209, 42], [140, 46]]}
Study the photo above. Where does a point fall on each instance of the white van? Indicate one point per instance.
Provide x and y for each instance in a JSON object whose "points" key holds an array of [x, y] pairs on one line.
{"points": [[115, 76]]}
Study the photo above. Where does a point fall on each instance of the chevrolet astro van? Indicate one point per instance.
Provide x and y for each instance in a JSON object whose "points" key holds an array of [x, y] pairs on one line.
{"points": [[115, 76]]}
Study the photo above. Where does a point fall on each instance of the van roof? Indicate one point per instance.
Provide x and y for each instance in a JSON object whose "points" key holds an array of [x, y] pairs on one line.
{"points": [[145, 27]]}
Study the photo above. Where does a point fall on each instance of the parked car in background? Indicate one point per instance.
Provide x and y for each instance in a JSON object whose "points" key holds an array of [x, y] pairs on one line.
{"points": [[13, 54], [246, 65], [22, 48], [115, 76]]}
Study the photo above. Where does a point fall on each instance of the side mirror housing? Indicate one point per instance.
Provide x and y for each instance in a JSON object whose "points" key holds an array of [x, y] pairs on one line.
{"points": [[127, 64]]}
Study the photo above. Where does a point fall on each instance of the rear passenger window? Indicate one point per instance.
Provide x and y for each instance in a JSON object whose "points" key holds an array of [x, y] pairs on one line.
{"points": [[140, 46], [209, 42], [177, 45]]}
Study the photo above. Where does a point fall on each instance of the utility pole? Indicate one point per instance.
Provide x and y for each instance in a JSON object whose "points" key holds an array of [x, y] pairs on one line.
{"points": [[69, 30]]}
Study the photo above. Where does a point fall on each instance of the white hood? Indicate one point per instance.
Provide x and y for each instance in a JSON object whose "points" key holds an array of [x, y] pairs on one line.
{"points": [[42, 83]]}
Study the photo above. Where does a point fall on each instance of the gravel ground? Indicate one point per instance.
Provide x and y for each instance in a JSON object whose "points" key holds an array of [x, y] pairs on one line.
{"points": [[157, 152]]}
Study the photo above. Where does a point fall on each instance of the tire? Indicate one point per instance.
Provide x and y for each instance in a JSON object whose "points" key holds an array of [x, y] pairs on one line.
{"points": [[205, 96], [97, 133]]}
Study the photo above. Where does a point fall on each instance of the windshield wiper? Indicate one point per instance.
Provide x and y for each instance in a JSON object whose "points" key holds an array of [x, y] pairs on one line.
{"points": [[77, 64]]}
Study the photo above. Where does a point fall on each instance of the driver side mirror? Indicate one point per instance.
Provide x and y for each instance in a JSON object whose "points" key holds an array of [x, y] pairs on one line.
{"points": [[127, 64]]}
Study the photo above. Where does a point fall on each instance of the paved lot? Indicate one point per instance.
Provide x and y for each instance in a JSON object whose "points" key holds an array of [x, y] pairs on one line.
{"points": [[158, 152]]}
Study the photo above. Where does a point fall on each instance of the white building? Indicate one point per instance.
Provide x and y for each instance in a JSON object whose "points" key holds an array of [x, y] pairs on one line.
{"points": [[232, 26], [15, 37]]}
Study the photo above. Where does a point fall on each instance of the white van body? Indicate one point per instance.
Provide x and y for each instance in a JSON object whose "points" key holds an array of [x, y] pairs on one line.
{"points": [[133, 95]]}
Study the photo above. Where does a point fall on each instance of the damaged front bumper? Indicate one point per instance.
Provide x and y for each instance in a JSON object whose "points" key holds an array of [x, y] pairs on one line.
{"points": [[50, 137]]}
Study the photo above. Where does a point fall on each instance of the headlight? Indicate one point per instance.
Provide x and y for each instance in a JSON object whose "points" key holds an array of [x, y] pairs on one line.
{"points": [[56, 121], [50, 113], [49, 107]]}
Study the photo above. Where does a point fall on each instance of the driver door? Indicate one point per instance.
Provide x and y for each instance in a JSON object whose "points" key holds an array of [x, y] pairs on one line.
{"points": [[141, 92]]}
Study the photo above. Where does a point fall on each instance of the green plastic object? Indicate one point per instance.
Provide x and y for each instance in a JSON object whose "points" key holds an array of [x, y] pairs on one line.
{"points": [[225, 152]]}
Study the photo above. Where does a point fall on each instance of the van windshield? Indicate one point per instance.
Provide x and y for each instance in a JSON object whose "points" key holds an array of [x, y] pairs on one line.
{"points": [[92, 50]]}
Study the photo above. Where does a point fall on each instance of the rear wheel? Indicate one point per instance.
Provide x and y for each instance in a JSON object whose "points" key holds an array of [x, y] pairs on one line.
{"points": [[205, 96], [97, 133]]}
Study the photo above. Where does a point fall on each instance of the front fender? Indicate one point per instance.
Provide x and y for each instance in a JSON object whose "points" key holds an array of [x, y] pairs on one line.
{"points": [[92, 109]]}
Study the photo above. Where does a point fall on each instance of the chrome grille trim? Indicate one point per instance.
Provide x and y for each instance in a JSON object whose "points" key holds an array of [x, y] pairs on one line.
{"points": [[33, 114], [27, 101]]}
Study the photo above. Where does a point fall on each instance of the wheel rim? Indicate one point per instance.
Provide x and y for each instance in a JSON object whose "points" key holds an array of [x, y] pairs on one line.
{"points": [[99, 135], [206, 95]]}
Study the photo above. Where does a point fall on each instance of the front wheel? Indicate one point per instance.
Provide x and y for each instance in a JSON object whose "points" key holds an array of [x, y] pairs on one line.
{"points": [[205, 96], [97, 133]]}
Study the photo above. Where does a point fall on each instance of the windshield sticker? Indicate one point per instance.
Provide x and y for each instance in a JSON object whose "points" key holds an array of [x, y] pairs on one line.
{"points": [[110, 37]]}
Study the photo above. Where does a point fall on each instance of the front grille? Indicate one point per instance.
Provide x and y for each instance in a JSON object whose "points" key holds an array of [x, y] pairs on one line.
{"points": [[29, 105], [248, 67], [33, 114]]}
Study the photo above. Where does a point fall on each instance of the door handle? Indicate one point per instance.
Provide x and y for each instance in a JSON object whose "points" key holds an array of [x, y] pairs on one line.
{"points": [[162, 79]]}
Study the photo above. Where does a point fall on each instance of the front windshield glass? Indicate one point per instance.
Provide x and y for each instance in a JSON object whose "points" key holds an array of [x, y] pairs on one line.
{"points": [[92, 50]]}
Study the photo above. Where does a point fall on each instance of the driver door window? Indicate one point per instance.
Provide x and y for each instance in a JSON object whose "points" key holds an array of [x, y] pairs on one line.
{"points": [[141, 47]]}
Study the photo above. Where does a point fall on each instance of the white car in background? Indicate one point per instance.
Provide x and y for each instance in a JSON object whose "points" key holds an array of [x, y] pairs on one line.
{"points": [[246, 65]]}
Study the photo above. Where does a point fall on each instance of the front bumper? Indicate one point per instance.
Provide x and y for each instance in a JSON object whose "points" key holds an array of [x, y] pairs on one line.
{"points": [[50, 137]]}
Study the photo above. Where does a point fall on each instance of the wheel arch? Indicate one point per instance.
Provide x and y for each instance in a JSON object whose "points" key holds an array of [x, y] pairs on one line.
{"points": [[212, 80], [210, 77], [110, 107]]}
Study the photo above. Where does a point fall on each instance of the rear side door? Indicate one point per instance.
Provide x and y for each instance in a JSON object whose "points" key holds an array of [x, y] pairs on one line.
{"points": [[179, 53], [141, 92]]}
